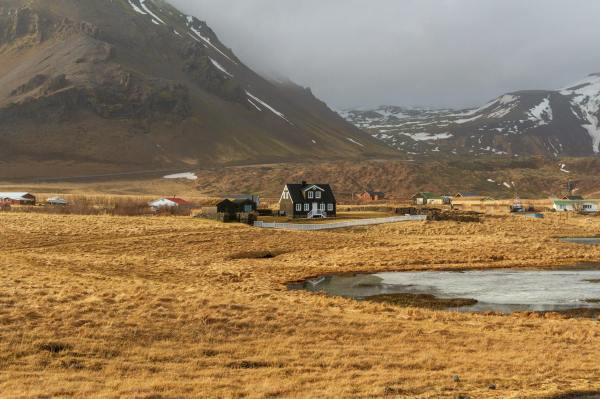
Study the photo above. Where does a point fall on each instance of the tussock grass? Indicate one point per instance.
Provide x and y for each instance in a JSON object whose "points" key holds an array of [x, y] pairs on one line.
{"points": [[165, 307]]}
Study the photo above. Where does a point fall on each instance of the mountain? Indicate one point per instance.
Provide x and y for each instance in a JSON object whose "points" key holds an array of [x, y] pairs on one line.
{"points": [[105, 85], [561, 122]]}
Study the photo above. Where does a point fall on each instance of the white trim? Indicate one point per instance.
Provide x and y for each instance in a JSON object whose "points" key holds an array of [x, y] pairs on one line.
{"points": [[306, 207], [298, 207], [311, 194], [283, 194], [329, 207], [318, 194], [313, 186]]}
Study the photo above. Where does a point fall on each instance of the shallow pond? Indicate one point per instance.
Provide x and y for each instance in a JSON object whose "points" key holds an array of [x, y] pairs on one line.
{"points": [[499, 290], [582, 240]]}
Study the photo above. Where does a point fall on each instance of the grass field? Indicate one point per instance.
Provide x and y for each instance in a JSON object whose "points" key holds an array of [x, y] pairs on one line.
{"points": [[175, 307]]}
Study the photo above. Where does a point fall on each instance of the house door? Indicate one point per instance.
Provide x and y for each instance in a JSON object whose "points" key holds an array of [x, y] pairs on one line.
{"points": [[315, 207]]}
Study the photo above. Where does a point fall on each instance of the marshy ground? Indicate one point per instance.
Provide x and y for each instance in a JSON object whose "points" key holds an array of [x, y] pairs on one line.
{"points": [[174, 307]]}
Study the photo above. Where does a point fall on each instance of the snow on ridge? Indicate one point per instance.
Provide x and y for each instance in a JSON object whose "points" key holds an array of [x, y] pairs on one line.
{"points": [[424, 136], [205, 39], [220, 67], [497, 104], [585, 96], [267, 106], [148, 11], [136, 8], [254, 104], [461, 121]]}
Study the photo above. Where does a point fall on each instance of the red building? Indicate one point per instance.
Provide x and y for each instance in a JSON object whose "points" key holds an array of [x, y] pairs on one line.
{"points": [[370, 196]]}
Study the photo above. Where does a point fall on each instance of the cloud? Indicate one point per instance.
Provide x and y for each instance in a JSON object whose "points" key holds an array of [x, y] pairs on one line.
{"points": [[451, 53]]}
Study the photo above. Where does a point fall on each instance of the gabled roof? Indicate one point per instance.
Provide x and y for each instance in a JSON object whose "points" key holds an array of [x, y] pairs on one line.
{"points": [[573, 201], [468, 194], [17, 196], [573, 197], [375, 193], [427, 195], [297, 192], [313, 186]]}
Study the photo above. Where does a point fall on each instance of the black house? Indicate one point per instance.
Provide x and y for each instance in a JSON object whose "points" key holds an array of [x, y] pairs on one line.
{"points": [[234, 207], [308, 201]]}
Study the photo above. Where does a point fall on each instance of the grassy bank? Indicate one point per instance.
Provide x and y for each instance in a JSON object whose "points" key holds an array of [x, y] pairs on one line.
{"points": [[140, 307]]}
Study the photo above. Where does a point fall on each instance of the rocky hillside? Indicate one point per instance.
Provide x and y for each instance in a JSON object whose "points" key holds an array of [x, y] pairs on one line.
{"points": [[499, 177], [106, 85], [556, 122]]}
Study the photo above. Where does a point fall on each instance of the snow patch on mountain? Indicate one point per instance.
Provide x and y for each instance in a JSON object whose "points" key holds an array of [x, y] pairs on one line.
{"points": [[136, 8], [350, 139], [148, 11], [267, 106], [220, 68], [467, 120], [424, 136], [186, 176], [541, 114], [585, 97], [199, 37]]}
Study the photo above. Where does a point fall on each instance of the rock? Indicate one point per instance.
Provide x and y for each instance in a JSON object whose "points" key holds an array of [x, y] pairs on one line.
{"points": [[456, 378], [492, 386]]}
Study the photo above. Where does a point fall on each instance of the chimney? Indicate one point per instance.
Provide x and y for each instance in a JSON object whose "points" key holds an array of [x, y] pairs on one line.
{"points": [[304, 182]]}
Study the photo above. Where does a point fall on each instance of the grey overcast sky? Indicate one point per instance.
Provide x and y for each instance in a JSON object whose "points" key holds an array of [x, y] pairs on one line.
{"points": [[442, 53]]}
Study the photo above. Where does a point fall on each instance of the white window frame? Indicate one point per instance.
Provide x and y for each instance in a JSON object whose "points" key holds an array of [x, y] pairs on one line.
{"points": [[329, 207], [306, 207], [322, 207], [311, 194], [298, 207], [317, 194]]}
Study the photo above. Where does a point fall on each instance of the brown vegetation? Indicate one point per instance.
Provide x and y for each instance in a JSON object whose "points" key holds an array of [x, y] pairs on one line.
{"points": [[141, 307]]}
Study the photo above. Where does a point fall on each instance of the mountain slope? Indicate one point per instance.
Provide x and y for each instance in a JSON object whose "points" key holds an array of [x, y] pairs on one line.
{"points": [[534, 122], [126, 84]]}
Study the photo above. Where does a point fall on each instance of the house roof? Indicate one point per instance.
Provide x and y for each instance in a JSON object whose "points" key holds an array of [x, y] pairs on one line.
{"points": [[573, 197], [296, 192], [17, 196], [468, 194], [428, 195], [57, 200], [242, 197], [573, 201]]}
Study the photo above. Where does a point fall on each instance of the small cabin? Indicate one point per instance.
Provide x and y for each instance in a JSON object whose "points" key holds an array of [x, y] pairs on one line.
{"points": [[17, 198], [427, 198], [371, 196], [567, 205], [308, 200], [233, 207], [471, 196], [57, 201]]}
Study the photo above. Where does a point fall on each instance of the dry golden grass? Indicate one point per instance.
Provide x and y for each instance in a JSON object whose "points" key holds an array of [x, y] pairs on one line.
{"points": [[148, 307]]}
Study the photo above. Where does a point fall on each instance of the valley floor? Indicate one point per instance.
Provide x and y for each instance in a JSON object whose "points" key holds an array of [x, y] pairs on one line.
{"points": [[165, 307]]}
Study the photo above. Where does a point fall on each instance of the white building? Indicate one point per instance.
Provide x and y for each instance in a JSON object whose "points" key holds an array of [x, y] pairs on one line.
{"points": [[571, 205]]}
